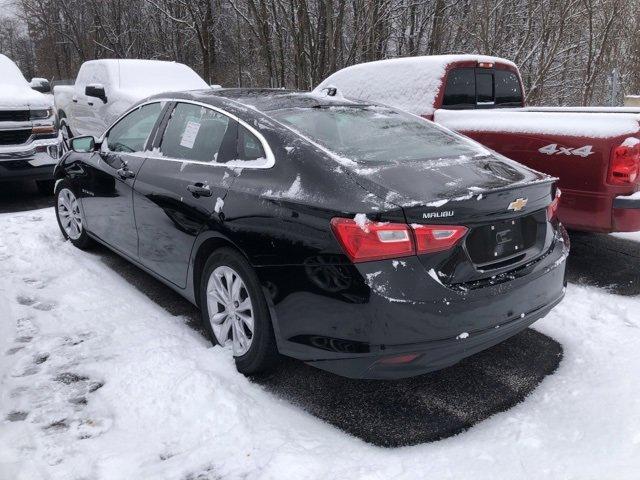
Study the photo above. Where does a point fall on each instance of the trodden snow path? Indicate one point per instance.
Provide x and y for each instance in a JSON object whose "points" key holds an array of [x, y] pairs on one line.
{"points": [[99, 382]]}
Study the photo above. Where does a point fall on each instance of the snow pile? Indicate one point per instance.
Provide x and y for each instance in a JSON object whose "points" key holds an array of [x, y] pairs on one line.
{"points": [[410, 83], [589, 125], [99, 382]]}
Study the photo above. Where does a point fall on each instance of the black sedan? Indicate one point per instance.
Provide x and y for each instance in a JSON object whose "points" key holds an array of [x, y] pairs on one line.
{"points": [[355, 237]]}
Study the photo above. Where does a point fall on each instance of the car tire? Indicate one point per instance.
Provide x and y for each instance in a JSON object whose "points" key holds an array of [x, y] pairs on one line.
{"points": [[69, 215], [45, 187], [262, 353]]}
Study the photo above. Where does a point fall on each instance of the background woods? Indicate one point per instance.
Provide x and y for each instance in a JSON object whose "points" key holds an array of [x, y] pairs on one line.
{"points": [[570, 51]]}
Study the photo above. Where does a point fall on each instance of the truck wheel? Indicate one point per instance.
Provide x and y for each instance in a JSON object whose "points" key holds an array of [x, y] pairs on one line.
{"points": [[69, 216], [235, 312]]}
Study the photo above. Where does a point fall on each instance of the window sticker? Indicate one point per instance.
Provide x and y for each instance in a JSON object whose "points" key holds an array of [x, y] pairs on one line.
{"points": [[189, 135]]}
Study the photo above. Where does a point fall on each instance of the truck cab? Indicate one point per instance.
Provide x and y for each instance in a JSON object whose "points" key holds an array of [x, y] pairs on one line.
{"points": [[104, 89]]}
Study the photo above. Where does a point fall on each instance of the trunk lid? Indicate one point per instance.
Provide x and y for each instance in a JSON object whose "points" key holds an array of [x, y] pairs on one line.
{"points": [[502, 204]]}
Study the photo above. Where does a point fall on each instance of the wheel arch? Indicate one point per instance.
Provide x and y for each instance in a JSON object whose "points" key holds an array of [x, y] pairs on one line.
{"points": [[205, 246]]}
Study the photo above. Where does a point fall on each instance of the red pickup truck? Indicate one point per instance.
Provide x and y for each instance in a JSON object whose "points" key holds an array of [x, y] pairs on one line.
{"points": [[594, 151]]}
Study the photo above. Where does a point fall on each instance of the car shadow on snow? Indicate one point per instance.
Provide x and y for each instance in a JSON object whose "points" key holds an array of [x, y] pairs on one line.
{"points": [[605, 261], [392, 413]]}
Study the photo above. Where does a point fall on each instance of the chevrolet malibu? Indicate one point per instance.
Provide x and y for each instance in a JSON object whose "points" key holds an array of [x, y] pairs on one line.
{"points": [[355, 237]]}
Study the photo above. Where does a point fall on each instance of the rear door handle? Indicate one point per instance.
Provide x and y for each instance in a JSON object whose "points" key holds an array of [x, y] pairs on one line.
{"points": [[90, 103], [74, 99], [199, 190], [125, 173]]}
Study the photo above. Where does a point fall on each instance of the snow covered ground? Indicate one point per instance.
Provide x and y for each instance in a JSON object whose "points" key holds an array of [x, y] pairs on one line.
{"points": [[634, 236], [99, 382]]}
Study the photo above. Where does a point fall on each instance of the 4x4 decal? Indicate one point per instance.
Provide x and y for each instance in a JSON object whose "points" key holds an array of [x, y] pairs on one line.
{"points": [[554, 149]]}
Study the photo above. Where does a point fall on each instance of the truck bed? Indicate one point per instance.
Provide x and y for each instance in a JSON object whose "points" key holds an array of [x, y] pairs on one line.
{"points": [[575, 145]]}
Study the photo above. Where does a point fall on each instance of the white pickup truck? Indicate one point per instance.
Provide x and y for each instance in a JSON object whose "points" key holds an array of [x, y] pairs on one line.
{"points": [[104, 89], [29, 140]]}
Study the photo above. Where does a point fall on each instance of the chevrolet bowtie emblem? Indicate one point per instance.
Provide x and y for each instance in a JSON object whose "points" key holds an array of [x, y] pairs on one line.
{"points": [[518, 204]]}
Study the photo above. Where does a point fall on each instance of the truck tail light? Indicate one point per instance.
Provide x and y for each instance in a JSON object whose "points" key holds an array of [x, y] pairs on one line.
{"points": [[625, 163], [552, 209], [436, 238], [367, 241]]}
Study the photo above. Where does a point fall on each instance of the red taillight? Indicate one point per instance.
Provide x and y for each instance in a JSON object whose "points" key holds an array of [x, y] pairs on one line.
{"points": [[625, 163], [436, 238], [364, 241], [552, 209]]}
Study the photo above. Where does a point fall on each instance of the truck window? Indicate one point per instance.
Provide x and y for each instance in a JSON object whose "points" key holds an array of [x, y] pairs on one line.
{"points": [[484, 88], [460, 90], [481, 88], [508, 91]]}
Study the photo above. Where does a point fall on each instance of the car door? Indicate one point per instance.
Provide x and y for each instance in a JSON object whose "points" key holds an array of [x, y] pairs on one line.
{"points": [[107, 187], [177, 188]]}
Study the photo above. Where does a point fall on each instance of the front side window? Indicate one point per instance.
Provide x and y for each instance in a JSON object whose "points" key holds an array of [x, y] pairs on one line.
{"points": [[194, 133], [377, 134], [130, 134]]}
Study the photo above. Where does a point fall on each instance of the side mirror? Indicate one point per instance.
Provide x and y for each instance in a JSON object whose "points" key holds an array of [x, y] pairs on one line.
{"points": [[96, 90], [83, 144], [41, 85]]}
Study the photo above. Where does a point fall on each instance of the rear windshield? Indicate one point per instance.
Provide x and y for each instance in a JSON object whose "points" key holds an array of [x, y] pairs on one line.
{"points": [[376, 134], [481, 88]]}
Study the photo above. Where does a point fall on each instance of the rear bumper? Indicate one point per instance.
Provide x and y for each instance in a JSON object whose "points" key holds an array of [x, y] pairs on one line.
{"points": [[626, 214], [399, 309], [33, 161], [434, 355], [599, 212]]}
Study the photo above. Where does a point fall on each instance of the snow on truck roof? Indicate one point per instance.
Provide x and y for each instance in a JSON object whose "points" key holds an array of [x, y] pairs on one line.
{"points": [[409, 83], [136, 73]]}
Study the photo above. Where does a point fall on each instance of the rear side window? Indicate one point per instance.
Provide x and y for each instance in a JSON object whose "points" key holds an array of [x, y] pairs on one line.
{"points": [[195, 133], [249, 147], [130, 134], [460, 90], [508, 91]]}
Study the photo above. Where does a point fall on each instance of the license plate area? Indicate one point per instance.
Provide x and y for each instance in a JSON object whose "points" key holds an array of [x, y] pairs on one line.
{"points": [[501, 240]]}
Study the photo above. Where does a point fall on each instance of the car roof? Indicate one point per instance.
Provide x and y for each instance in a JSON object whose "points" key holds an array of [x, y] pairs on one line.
{"points": [[266, 99]]}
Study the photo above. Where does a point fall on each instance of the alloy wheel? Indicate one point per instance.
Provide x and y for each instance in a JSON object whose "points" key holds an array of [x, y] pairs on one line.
{"points": [[230, 309], [69, 214]]}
